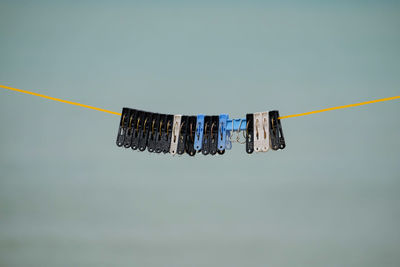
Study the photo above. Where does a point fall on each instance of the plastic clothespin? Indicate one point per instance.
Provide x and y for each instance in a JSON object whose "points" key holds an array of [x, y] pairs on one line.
{"points": [[198, 139], [176, 127], [214, 126], [191, 133], [276, 132], [159, 144], [123, 125], [129, 130], [223, 118], [205, 147], [144, 129], [183, 134], [250, 133], [166, 132], [139, 118], [154, 133], [235, 124], [258, 132], [265, 133]]}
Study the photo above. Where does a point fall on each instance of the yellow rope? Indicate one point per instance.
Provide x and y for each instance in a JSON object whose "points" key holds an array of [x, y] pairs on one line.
{"points": [[340, 107], [119, 114], [59, 100]]}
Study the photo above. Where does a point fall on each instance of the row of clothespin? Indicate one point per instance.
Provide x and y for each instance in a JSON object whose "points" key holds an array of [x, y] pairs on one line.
{"points": [[179, 134]]}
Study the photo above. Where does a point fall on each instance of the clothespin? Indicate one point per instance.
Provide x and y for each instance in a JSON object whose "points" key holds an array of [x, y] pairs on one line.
{"points": [[130, 129], [250, 133], [205, 147], [136, 130], [160, 129], [223, 118], [176, 128], [198, 140], [214, 135], [153, 134], [190, 137], [236, 124], [183, 135], [167, 134], [123, 125], [261, 132], [276, 132], [144, 129]]}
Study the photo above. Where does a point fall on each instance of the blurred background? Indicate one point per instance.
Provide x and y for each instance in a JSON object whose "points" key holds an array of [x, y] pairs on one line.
{"points": [[70, 197]]}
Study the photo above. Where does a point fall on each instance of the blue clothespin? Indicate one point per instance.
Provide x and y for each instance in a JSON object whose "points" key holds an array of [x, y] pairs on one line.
{"points": [[222, 131], [198, 139], [236, 124]]}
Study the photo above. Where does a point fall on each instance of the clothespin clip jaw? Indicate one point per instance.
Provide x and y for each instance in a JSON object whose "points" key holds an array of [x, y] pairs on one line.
{"points": [[198, 140], [276, 132], [223, 118]]}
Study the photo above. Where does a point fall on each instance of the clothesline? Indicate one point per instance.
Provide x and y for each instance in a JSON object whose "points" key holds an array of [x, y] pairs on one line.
{"points": [[119, 114]]}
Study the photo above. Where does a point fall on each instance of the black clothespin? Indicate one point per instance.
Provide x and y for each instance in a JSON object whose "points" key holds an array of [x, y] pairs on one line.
{"points": [[191, 131], [123, 125], [153, 134], [129, 130], [166, 135], [276, 132], [144, 131], [214, 135], [249, 133], [205, 150], [137, 127], [159, 144], [183, 134]]}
